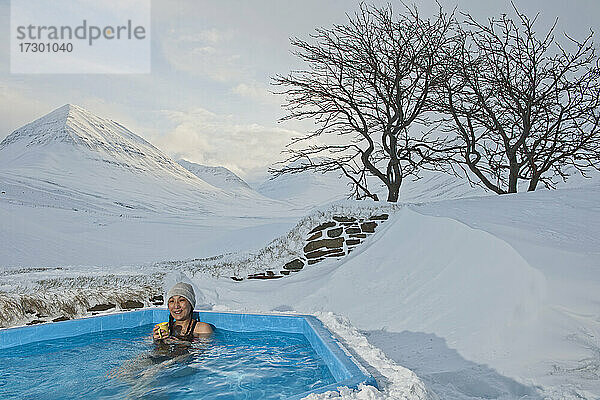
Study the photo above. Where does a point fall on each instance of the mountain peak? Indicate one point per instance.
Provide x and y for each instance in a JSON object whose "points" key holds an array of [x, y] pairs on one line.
{"points": [[219, 177], [52, 127], [71, 129]]}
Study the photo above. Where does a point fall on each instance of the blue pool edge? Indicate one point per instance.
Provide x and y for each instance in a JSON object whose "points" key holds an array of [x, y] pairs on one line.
{"points": [[345, 369]]}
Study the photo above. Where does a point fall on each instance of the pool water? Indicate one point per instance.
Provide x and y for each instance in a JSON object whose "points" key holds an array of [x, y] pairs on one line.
{"points": [[125, 363]]}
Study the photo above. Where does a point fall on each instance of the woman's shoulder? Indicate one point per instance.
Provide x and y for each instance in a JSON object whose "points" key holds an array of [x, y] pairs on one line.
{"points": [[202, 328]]}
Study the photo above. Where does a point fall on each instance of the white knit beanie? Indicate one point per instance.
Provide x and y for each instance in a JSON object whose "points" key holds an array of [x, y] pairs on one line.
{"points": [[184, 290]]}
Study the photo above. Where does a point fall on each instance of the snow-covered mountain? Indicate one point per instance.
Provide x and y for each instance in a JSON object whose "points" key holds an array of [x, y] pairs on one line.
{"points": [[309, 188], [305, 188], [72, 159], [101, 139], [219, 177]]}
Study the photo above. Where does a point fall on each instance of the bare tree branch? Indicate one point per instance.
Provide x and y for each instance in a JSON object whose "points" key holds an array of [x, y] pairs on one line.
{"points": [[367, 86]]}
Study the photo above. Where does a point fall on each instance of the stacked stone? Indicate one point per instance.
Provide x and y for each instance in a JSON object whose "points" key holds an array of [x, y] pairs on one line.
{"points": [[265, 275], [335, 238], [97, 309]]}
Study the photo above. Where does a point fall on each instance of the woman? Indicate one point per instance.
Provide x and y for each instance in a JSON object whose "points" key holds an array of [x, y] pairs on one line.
{"points": [[181, 301], [175, 347]]}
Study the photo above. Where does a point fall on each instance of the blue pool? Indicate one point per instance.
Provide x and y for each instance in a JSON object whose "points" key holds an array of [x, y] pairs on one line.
{"points": [[250, 356]]}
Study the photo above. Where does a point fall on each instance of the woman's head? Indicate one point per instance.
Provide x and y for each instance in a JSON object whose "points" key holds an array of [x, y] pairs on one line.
{"points": [[181, 301]]}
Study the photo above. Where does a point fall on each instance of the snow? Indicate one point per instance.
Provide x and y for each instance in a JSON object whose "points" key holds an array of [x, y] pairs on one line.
{"points": [[79, 189], [459, 295], [219, 177], [305, 188]]}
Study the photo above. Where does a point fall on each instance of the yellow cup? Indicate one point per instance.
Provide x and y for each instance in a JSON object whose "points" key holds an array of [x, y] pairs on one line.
{"points": [[164, 327]]}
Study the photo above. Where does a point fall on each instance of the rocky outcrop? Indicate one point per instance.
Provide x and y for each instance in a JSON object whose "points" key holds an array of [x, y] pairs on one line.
{"points": [[131, 305], [294, 265], [330, 239]]}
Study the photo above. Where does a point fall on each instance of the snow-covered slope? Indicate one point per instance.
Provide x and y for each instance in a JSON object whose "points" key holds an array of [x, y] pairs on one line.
{"points": [[487, 297], [75, 187], [305, 188], [314, 189], [101, 139], [219, 177], [72, 159]]}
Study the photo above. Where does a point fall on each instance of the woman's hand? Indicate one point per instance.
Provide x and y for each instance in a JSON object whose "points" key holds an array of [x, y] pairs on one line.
{"points": [[158, 334]]}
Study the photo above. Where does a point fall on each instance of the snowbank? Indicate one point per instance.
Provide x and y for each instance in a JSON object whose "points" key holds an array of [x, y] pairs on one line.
{"points": [[421, 274]]}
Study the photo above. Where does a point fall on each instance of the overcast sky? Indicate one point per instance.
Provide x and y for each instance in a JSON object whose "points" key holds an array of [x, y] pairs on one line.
{"points": [[207, 98]]}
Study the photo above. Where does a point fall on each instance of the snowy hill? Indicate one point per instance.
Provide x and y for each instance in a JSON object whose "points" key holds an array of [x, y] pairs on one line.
{"points": [[74, 186], [305, 188], [219, 177], [101, 139], [482, 297], [308, 188], [71, 158]]}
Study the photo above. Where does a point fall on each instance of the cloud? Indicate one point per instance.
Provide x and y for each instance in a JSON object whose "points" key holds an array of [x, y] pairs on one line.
{"points": [[257, 92], [207, 138], [18, 109], [203, 53], [211, 36]]}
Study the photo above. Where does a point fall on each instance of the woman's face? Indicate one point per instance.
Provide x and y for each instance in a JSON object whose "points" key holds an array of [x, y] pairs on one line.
{"points": [[180, 308]]}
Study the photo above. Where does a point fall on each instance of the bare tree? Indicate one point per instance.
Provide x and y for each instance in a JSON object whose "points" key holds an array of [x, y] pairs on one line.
{"points": [[367, 83], [522, 107]]}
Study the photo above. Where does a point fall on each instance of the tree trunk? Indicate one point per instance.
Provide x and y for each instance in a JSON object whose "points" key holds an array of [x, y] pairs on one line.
{"points": [[533, 183], [393, 193], [513, 177]]}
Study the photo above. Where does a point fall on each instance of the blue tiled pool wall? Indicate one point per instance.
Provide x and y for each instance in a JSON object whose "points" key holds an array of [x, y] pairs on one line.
{"points": [[11, 337], [343, 369]]}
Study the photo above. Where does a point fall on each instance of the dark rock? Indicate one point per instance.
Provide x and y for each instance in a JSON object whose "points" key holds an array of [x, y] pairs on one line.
{"points": [[329, 243], [311, 262], [101, 307], [294, 265], [29, 312], [35, 321], [263, 276], [38, 315], [358, 235], [343, 219], [315, 236], [351, 242], [237, 278], [322, 253], [285, 272], [157, 300], [332, 233], [131, 304], [323, 226], [352, 230], [349, 224], [314, 254], [368, 227], [63, 318], [270, 273], [381, 217]]}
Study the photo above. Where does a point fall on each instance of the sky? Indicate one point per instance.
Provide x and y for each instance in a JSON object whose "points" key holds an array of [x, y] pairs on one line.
{"points": [[209, 97]]}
